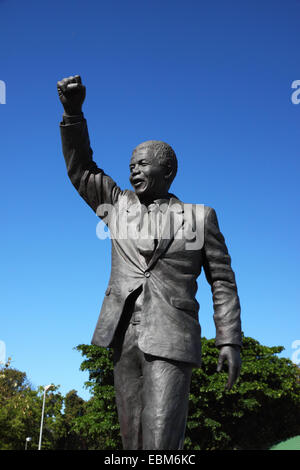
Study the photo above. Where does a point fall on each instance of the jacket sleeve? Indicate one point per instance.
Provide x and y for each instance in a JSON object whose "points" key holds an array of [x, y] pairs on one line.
{"points": [[219, 274], [93, 185]]}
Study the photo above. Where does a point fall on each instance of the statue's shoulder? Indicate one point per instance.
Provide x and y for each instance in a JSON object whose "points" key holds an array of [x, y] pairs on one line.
{"points": [[198, 206], [127, 199], [201, 213], [208, 210], [129, 194]]}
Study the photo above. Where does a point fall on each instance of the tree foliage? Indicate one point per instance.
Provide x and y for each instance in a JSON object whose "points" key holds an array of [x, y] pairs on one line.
{"points": [[21, 409], [69, 439], [17, 408], [262, 408], [100, 423]]}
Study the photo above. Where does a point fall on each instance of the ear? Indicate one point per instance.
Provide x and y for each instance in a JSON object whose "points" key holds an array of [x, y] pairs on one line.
{"points": [[168, 172]]}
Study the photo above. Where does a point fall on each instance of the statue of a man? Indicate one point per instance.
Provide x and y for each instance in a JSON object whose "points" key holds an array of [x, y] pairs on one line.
{"points": [[149, 314]]}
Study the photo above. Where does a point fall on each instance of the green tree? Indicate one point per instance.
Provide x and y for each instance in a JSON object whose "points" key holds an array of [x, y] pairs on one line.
{"points": [[20, 412], [68, 438], [18, 408], [99, 424], [262, 408]]}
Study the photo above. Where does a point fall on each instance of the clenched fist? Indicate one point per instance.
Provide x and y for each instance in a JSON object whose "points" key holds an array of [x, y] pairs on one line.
{"points": [[71, 93]]}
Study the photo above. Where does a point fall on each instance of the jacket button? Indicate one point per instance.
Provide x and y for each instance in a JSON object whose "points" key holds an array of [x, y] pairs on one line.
{"points": [[147, 274], [130, 289]]}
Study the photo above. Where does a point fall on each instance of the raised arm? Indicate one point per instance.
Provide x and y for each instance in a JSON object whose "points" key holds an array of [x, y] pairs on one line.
{"points": [[91, 182]]}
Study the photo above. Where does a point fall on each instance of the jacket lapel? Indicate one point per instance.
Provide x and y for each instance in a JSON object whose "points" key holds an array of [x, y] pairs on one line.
{"points": [[172, 221]]}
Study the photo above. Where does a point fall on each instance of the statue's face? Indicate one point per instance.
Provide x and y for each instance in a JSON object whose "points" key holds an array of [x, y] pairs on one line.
{"points": [[147, 175]]}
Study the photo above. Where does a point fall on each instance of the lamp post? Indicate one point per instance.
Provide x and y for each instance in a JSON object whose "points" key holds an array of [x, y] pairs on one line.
{"points": [[42, 418], [28, 439]]}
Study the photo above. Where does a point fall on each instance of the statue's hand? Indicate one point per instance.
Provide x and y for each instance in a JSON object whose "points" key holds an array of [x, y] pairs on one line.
{"points": [[231, 353], [71, 93]]}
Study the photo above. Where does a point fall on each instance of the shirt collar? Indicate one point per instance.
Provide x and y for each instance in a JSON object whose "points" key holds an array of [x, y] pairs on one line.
{"points": [[162, 204]]}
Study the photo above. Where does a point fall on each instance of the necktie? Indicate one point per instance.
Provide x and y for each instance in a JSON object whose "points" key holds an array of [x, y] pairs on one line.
{"points": [[149, 231]]}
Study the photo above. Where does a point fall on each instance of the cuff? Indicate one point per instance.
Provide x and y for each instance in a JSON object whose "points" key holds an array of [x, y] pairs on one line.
{"points": [[67, 119]]}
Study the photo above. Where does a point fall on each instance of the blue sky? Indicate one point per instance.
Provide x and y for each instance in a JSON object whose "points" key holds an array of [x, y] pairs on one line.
{"points": [[211, 78]]}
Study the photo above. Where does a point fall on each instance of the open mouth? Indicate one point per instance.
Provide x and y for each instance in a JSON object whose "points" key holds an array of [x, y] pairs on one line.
{"points": [[137, 182]]}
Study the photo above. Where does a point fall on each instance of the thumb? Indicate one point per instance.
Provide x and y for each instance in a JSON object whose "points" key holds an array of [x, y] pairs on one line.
{"points": [[72, 86], [220, 363]]}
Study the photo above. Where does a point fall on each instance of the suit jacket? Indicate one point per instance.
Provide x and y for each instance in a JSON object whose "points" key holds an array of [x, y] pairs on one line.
{"points": [[169, 324]]}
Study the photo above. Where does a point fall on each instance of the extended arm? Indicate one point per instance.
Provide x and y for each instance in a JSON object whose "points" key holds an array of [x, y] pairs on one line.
{"points": [[90, 181], [219, 274]]}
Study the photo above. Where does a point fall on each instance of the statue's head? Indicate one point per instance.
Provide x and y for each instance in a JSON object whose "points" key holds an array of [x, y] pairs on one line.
{"points": [[153, 167]]}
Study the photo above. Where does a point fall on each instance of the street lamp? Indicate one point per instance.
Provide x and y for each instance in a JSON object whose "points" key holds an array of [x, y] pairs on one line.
{"points": [[28, 439], [43, 410]]}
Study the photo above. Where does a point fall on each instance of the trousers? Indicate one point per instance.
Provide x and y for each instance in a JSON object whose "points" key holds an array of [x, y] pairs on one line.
{"points": [[151, 393]]}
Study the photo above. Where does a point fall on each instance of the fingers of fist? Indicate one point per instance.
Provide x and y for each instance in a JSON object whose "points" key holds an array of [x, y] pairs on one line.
{"points": [[69, 84]]}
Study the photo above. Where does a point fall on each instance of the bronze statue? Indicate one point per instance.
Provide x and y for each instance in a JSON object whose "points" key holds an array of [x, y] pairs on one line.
{"points": [[149, 314]]}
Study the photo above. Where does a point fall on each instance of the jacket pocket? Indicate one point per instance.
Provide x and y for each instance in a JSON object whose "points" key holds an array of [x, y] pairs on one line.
{"points": [[185, 304]]}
